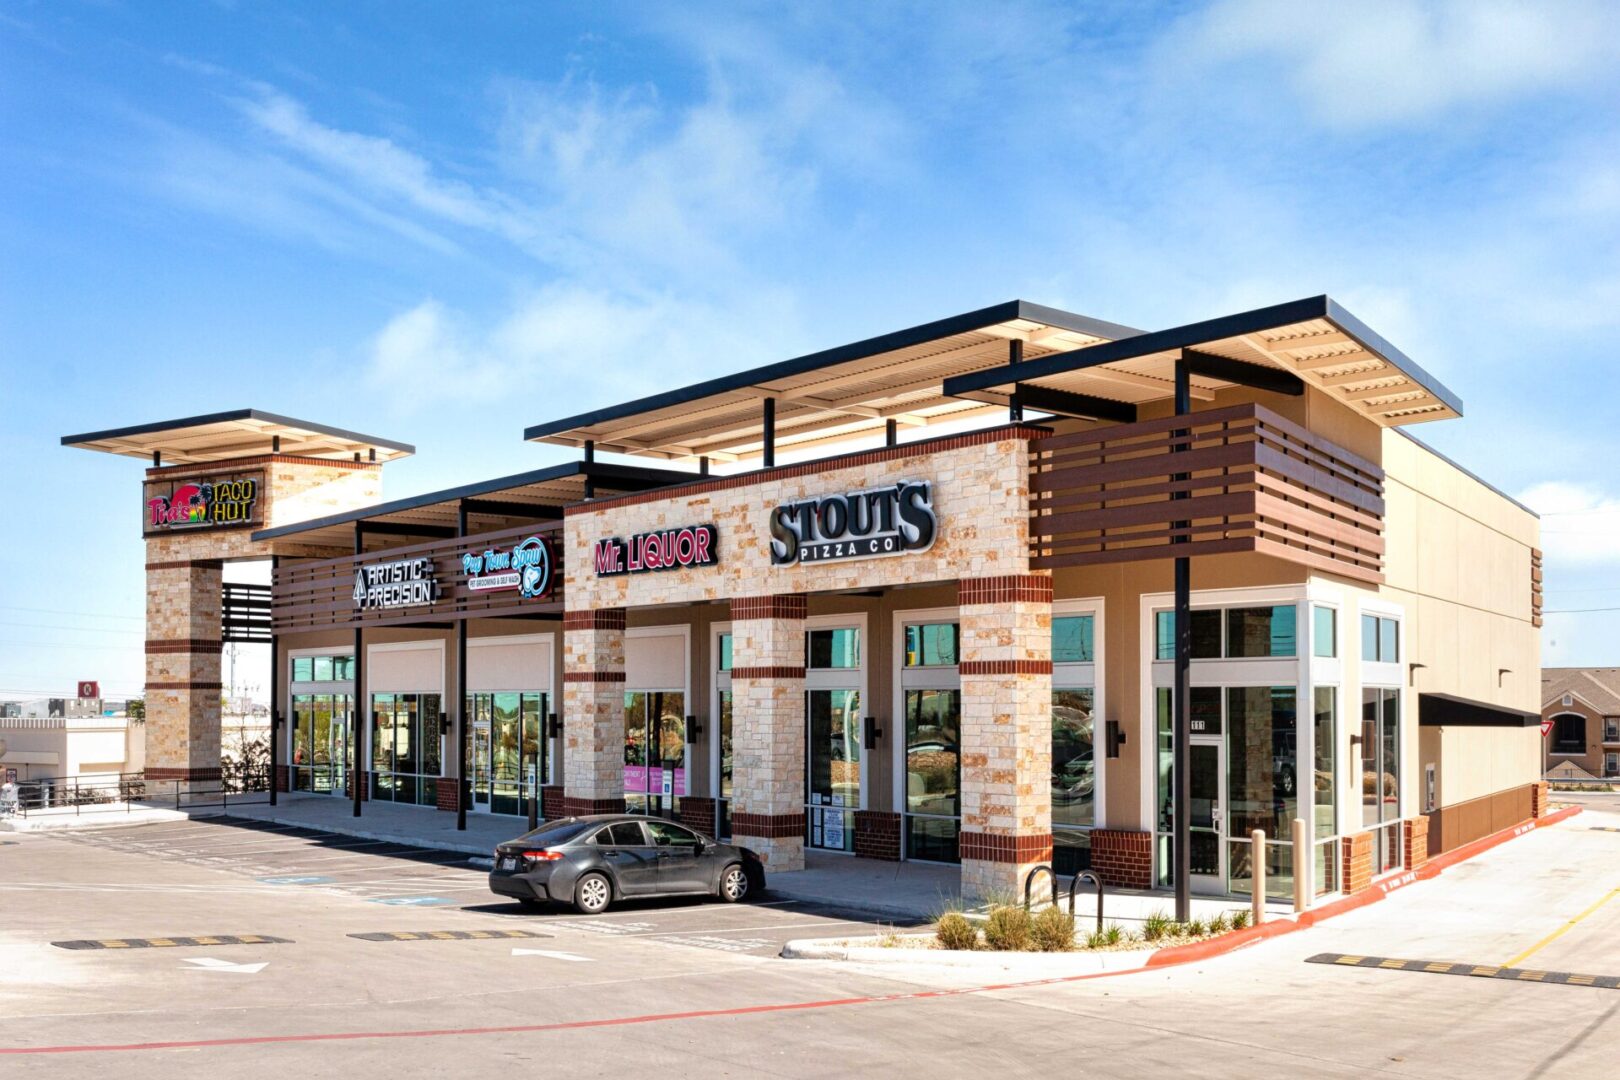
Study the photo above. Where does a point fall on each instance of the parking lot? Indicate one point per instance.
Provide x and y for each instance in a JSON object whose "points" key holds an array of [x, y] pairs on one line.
{"points": [[195, 948], [449, 887]]}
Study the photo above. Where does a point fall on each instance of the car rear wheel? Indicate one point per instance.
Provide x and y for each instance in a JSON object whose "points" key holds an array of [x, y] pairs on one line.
{"points": [[592, 894], [733, 883]]}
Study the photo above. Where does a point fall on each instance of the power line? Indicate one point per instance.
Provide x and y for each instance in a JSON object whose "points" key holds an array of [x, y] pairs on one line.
{"points": [[1577, 610], [86, 614], [75, 629]]}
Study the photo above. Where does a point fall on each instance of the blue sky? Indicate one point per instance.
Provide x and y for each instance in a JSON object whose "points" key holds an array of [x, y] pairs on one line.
{"points": [[440, 223]]}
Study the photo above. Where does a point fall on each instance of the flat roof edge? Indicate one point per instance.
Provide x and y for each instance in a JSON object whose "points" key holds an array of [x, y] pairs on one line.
{"points": [[226, 417]]}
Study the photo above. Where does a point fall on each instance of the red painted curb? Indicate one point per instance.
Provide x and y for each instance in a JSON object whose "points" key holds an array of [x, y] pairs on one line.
{"points": [[1378, 890]]}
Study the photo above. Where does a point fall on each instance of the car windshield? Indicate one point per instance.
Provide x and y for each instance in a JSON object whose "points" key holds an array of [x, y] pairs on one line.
{"points": [[555, 832]]}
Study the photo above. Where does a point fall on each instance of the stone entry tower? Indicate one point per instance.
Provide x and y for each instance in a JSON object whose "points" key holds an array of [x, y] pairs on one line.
{"points": [[212, 481]]}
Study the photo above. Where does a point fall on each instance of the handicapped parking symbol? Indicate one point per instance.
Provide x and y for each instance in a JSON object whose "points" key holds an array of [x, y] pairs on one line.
{"points": [[411, 901], [306, 879]]}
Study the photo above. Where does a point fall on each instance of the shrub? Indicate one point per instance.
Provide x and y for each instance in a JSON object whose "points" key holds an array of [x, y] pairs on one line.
{"points": [[1053, 930], [1195, 928], [1096, 939], [955, 932], [1218, 925], [1008, 929], [1156, 926], [1113, 935], [1240, 918]]}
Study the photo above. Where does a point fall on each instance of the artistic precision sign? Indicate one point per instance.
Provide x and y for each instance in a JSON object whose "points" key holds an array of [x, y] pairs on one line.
{"points": [[891, 520], [526, 567], [397, 584], [666, 549], [213, 502]]}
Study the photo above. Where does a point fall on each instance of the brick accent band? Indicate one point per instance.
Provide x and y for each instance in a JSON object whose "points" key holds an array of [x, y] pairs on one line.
{"points": [[698, 813], [183, 645], [551, 801], [1123, 859], [187, 684], [572, 806], [594, 619], [999, 848], [1415, 837], [810, 468], [593, 676], [187, 564], [877, 834], [446, 792], [779, 672], [1006, 589], [1004, 667], [1356, 873], [163, 772], [788, 606], [767, 826]]}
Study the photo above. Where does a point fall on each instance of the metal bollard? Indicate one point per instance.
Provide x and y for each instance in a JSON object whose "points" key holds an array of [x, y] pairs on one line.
{"points": [[1257, 858], [1303, 866]]}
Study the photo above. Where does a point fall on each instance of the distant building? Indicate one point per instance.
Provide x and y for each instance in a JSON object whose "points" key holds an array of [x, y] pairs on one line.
{"points": [[1583, 707], [83, 746]]}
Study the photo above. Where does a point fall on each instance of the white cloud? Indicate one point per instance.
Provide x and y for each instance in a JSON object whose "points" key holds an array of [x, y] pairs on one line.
{"points": [[1397, 61], [1580, 523], [567, 348]]}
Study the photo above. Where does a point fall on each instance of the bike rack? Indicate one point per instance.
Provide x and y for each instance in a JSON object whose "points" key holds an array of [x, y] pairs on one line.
{"points": [[1029, 884], [1074, 887]]}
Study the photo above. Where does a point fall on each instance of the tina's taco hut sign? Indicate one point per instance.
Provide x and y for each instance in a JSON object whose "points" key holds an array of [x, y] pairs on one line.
{"points": [[213, 502]]}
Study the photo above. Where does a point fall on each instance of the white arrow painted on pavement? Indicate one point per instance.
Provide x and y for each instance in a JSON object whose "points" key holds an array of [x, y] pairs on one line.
{"points": [[574, 957], [208, 963]]}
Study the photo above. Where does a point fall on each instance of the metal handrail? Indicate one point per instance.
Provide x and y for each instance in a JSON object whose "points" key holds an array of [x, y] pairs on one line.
{"points": [[1074, 887], [127, 790]]}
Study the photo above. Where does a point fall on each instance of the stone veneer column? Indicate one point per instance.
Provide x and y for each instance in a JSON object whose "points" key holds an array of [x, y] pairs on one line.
{"points": [[183, 645], [593, 712], [1006, 673], [767, 725]]}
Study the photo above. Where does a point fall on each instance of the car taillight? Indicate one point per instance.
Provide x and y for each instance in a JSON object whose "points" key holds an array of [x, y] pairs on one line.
{"points": [[542, 856]]}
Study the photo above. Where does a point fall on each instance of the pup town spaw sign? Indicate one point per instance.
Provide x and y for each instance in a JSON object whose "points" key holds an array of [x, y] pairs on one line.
{"points": [[526, 567], [892, 520], [397, 584], [666, 549], [213, 502]]}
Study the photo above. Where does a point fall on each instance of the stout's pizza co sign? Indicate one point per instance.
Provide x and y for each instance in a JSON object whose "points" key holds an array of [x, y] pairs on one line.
{"points": [[896, 519]]}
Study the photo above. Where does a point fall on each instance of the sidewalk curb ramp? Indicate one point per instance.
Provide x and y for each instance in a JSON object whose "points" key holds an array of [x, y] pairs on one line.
{"points": [[827, 949]]}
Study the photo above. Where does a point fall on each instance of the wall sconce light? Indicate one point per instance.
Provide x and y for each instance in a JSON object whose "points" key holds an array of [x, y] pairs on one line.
{"points": [[871, 734], [554, 726], [1411, 673], [693, 729], [1114, 738]]}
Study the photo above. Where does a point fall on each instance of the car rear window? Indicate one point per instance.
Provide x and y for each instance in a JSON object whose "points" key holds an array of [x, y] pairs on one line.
{"points": [[557, 832]]}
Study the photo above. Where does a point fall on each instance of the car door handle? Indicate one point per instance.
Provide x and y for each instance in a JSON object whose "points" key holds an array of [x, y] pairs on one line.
{"points": [[610, 854]]}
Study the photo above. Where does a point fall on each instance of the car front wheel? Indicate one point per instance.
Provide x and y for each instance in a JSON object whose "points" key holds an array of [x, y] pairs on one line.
{"points": [[592, 894], [733, 883]]}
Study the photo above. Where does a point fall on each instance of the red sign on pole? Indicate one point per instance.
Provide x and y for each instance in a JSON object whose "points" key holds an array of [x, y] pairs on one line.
{"points": [[88, 689]]}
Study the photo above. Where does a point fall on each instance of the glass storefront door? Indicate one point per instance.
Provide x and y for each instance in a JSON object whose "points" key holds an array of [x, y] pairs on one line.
{"points": [[654, 751], [321, 755], [932, 700], [506, 750], [1204, 826], [834, 763], [1381, 774], [406, 745]]}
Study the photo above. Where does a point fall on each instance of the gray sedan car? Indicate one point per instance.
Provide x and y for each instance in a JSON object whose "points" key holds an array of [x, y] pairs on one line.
{"points": [[592, 861]]}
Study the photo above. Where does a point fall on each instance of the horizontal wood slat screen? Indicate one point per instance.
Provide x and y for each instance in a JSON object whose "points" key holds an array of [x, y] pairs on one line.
{"points": [[320, 594], [1250, 480]]}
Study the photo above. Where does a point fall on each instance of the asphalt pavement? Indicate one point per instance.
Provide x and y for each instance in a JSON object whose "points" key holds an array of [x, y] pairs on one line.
{"points": [[361, 984]]}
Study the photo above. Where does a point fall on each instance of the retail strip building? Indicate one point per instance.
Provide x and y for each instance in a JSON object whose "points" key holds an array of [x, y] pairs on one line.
{"points": [[944, 630]]}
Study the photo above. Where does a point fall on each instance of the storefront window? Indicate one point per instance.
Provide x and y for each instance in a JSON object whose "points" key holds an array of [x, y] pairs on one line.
{"points": [[1324, 632], [931, 645], [1326, 784], [725, 652], [1380, 639], [1074, 779], [405, 740], [829, 649], [1072, 639], [1262, 783], [1261, 631], [334, 668], [834, 779], [1206, 635], [933, 773]]}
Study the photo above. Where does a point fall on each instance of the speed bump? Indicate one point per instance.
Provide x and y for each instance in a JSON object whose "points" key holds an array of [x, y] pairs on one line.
{"points": [[447, 935], [171, 942], [1478, 971]]}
